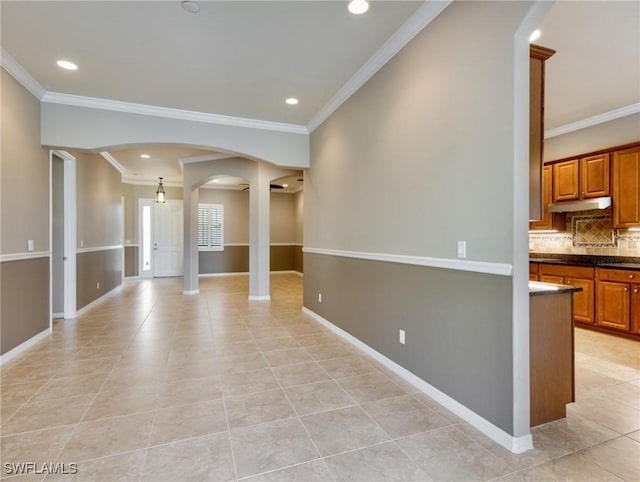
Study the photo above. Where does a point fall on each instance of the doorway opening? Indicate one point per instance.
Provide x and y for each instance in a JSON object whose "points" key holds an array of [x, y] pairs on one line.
{"points": [[62, 234]]}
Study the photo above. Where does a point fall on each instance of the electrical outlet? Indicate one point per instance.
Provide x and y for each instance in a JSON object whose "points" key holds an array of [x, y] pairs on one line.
{"points": [[462, 249], [30, 245], [401, 337], [319, 297], [98, 285]]}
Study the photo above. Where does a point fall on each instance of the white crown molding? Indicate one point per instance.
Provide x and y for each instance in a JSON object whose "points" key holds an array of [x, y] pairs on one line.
{"points": [[593, 121], [156, 111], [409, 29], [113, 161], [19, 73], [149, 182], [64, 155], [457, 264], [24, 256]]}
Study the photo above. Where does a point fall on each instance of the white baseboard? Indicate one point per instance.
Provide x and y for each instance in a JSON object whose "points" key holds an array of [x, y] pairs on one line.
{"points": [[22, 347], [290, 271], [218, 275], [132, 277], [97, 301], [260, 298], [57, 315], [191, 292], [516, 445]]}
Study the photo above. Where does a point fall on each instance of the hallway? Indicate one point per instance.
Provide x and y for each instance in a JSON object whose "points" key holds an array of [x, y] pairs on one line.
{"points": [[152, 385]]}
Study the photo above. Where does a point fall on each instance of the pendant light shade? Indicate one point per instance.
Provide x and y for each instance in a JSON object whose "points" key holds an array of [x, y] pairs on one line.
{"points": [[160, 196]]}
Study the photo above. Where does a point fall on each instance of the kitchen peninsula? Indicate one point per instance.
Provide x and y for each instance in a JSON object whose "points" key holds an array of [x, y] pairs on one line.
{"points": [[551, 350]]}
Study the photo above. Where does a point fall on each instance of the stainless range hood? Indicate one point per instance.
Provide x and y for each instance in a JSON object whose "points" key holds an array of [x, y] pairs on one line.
{"points": [[585, 205]]}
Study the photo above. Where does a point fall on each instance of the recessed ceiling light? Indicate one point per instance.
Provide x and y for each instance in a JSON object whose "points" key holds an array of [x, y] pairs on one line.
{"points": [[535, 35], [65, 64], [145, 156], [191, 6], [216, 180], [292, 101], [358, 7]]}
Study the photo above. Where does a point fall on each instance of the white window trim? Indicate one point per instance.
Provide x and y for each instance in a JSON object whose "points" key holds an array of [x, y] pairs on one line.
{"points": [[212, 248]]}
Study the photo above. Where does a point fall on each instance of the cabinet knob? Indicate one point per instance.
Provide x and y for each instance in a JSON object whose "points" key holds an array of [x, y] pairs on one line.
{"points": [[626, 289], [635, 290], [631, 276]]}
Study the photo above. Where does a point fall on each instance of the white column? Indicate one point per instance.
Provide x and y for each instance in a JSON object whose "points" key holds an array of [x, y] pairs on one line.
{"points": [[190, 209], [259, 205]]}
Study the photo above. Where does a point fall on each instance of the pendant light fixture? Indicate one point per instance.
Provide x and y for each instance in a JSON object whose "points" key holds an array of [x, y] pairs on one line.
{"points": [[160, 196]]}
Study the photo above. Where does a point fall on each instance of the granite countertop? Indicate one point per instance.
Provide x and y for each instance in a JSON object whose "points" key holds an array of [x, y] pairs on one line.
{"points": [[537, 288], [611, 262]]}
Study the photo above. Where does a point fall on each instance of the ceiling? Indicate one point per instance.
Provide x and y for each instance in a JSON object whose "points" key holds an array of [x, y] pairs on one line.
{"points": [[596, 68], [243, 58]]}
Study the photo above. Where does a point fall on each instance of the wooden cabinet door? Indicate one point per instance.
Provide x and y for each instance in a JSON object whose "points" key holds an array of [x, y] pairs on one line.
{"points": [[626, 188], [635, 309], [545, 222], [594, 176], [550, 278], [613, 305], [583, 301], [565, 180]]}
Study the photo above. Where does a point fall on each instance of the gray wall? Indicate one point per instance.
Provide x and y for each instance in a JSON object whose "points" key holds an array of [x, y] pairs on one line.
{"points": [[24, 310], [25, 171], [408, 166], [610, 134], [24, 215], [99, 225]]}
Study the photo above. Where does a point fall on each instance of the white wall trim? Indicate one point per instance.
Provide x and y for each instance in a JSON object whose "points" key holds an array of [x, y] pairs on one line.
{"points": [[57, 315], [131, 245], [418, 21], [19, 73], [286, 244], [513, 444], [180, 114], [191, 292], [22, 256], [594, 120], [98, 248], [259, 298], [458, 264], [221, 275], [113, 161], [99, 300], [24, 346]]}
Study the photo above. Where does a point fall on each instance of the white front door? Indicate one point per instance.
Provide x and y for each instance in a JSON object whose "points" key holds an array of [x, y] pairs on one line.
{"points": [[167, 239]]}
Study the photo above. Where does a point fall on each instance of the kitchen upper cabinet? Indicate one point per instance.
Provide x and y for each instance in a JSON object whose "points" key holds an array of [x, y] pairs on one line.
{"points": [[537, 57], [594, 176], [618, 299], [565, 180], [626, 188], [549, 220], [581, 178]]}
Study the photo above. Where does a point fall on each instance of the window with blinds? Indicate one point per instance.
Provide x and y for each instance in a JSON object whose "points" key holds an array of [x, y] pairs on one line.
{"points": [[211, 227]]}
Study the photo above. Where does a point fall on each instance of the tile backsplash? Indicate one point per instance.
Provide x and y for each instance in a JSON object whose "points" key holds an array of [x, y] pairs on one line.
{"points": [[589, 232]]}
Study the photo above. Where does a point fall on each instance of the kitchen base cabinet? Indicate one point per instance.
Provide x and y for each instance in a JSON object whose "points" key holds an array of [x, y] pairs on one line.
{"points": [[618, 299], [581, 277], [551, 369], [614, 305]]}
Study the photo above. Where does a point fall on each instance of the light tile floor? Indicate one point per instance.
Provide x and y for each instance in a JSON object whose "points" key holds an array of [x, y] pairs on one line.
{"points": [[151, 385]]}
